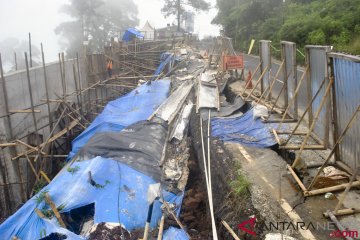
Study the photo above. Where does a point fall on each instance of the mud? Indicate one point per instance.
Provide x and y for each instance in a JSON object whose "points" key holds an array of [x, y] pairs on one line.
{"points": [[116, 233], [194, 208], [228, 206]]}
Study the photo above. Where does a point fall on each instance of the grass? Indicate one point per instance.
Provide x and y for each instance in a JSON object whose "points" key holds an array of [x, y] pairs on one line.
{"points": [[240, 184]]}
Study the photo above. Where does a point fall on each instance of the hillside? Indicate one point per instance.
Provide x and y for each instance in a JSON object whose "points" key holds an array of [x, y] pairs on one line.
{"points": [[325, 22]]}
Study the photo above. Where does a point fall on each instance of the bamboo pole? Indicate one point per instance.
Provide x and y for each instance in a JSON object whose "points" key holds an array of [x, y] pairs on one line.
{"points": [[43, 174], [257, 83], [175, 218], [233, 234], [43, 144], [30, 50], [76, 88], [297, 179], [317, 114], [161, 228], [271, 84], [25, 111], [251, 78], [53, 207], [342, 212], [306, 110], [32, 167], [31, 96], [330, 189], [342, 198], [292, 100], [338, 224], [338, 141], [46, 89]]}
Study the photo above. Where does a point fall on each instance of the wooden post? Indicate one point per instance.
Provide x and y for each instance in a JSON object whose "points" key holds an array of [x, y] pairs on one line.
{"points": [[317, 114], [46, 89]]}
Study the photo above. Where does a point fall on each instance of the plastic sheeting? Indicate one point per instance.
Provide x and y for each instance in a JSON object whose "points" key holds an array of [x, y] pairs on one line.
{"points": [[244, 130], [132, 33], [170, 107], [167, 59], [208, 97], [135, 106], [175, 234], [182, 122], [139, 146], [121, 190]]}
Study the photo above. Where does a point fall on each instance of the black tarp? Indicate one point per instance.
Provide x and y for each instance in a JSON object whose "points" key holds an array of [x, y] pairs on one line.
{"points": [[139, 146]]}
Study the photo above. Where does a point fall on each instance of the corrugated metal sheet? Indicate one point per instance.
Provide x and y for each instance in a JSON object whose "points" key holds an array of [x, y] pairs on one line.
{"points": [[347, 90], [290, 72], [265, 60], [318, 71]]}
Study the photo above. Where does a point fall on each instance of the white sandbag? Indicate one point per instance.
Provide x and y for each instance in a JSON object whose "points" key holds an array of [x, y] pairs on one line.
{"points": [[260, 111]]}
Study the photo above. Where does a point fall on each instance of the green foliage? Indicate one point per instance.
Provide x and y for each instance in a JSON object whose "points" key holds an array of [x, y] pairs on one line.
{"points": [[240, 184], [326, 22], [38, 199], [97, 185], [73, 170], [317, 37], [49, 213], [39, 185]]}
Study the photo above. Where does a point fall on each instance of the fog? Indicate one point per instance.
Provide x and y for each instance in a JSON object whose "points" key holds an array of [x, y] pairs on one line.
{"points": [[41, 17]]}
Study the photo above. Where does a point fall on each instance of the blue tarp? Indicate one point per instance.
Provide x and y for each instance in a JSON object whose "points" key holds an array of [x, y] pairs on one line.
{"points": [[132, 33], [122, 192], [166, 59], [135, 106], [244, 130], [175, 234]]}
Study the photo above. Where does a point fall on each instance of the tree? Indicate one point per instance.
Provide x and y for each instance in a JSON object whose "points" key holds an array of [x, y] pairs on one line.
{"points": [[9, 46], [95, 21], [328, 22], [176, 7]]}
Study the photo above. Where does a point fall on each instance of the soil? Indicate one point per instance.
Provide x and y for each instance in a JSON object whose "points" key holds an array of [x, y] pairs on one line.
{"points": [[194, 208], [232, 208], [116, 233]]}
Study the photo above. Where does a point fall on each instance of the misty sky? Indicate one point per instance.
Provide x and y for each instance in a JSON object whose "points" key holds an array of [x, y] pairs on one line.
{"points": [[40, 17]]}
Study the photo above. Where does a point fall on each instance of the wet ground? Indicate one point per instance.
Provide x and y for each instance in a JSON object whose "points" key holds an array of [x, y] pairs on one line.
{"points": [[278, 197]]}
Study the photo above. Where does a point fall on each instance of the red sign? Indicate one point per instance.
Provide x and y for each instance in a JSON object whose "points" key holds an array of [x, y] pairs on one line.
{"points": [[232, 62]]}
